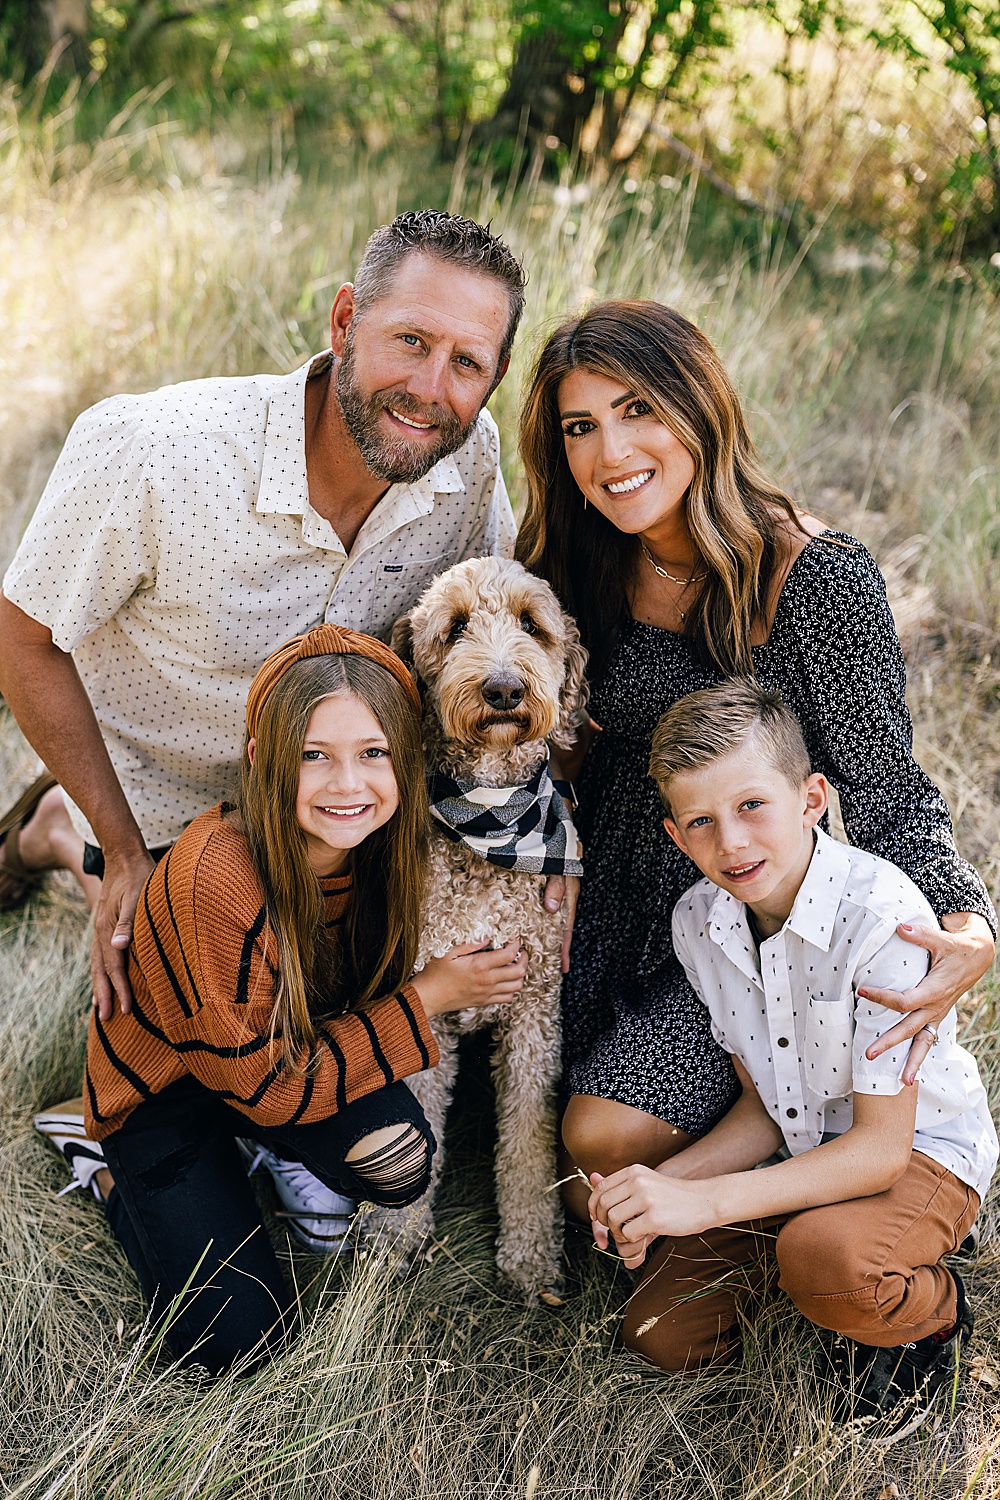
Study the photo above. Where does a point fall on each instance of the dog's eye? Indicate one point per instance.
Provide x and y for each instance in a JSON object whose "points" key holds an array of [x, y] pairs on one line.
{"points": [[528, 625], [457, 629]]}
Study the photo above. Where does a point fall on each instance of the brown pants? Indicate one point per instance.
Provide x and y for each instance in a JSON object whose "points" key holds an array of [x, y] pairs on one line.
{"points": [[868, 1268]]}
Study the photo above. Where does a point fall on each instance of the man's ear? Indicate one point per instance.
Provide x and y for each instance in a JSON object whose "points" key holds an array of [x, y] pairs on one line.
{"points": [[817, 794], [674, 833], [341, 313]]}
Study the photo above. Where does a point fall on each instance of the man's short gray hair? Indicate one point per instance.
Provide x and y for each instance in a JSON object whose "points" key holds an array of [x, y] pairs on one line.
{"points": [[717, 720], [448, 237]]}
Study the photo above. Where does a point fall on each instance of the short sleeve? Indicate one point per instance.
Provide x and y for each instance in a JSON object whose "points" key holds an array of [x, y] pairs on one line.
{"points": [[896, 965], [848, 687], [91, 543], [496, 531]]}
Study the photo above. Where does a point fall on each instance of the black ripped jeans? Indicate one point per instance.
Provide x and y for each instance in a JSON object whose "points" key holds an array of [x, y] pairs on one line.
{"points": [[188, 1220]]}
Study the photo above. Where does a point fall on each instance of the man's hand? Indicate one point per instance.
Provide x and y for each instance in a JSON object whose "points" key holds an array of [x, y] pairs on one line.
{"points": [[960, 955], [124, 878], [637, 1204], [560, 890]]}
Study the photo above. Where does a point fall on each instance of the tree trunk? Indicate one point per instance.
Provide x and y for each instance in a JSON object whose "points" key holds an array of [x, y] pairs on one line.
{"points": [[539, 97]]}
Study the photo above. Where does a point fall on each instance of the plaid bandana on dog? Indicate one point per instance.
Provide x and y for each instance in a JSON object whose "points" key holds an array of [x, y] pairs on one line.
{"points": [[526, 828]]}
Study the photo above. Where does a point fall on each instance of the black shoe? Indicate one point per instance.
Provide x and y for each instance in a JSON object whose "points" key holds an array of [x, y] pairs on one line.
{"points": [[900, 1383]]}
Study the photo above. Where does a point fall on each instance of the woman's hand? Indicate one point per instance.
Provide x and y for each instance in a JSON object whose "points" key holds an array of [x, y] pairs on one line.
{"points": [[470, 975], [563, 890], [637, 1204], [960, 955]]}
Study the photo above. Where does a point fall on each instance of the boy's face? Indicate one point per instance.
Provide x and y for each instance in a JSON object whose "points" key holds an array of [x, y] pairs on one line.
{"points": [[748, 828]]}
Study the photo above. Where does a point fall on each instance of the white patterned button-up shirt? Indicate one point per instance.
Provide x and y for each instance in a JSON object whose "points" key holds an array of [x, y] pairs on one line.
{"points": [[174, 547], [792, 1016]]}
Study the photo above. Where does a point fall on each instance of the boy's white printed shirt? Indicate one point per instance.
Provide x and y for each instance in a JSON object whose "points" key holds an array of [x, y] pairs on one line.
{"points": [[794, 1020], [174, 547]]}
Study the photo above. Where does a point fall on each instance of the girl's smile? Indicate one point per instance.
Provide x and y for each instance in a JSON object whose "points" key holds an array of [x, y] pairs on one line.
{"points": [[347, 786]]}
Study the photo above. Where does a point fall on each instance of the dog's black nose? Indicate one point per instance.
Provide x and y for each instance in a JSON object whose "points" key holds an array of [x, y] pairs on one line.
{"points": [[503, 690]]}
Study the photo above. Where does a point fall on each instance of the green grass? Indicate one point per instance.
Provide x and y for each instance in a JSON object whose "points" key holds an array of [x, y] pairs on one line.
{"points": [[151, 257]]}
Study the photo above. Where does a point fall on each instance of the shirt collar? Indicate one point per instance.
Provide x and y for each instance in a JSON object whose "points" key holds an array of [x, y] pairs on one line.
{"points": [[728, 928], [284, 489], [813, 916]]}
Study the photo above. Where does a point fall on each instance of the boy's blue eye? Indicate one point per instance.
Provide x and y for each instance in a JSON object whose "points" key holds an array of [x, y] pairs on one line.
{"points": [[699, 822], [752, 803]]}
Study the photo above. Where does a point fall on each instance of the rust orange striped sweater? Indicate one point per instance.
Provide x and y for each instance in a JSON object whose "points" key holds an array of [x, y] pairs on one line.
{"points": [[203, 994]]}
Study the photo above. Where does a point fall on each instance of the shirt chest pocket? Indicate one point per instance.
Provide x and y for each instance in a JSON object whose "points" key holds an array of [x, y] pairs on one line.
{"points": [[399, 584], [828, 1063]]}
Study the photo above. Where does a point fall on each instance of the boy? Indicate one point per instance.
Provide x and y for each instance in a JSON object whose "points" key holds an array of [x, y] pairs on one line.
{"points": [[881, 1180]]}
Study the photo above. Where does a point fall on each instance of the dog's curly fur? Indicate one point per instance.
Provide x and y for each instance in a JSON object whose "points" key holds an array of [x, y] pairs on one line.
{"points": [[486, 620]]}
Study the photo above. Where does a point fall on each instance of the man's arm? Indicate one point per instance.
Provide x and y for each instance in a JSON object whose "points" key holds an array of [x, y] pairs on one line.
{"points": [[637, 1204], [51, 706]]}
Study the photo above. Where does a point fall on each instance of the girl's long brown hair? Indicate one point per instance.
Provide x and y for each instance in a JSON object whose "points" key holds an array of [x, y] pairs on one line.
{"points": [[734, 513], [380, 934]]}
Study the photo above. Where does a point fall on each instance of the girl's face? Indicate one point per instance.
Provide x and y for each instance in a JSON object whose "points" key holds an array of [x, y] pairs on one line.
{"points": [[347, 786], [624, 460]]}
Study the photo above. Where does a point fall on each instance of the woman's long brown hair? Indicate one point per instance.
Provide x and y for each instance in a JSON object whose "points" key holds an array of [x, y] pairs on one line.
{"points": [[734, 513], [382, 927]]}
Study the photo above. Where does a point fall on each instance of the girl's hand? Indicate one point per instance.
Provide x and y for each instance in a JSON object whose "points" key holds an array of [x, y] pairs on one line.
{"points": [[470, 975], [960, 955], [638, 1204]]}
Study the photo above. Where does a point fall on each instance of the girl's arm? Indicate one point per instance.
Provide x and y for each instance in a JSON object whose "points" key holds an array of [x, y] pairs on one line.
{"points": [[637, 1204]]}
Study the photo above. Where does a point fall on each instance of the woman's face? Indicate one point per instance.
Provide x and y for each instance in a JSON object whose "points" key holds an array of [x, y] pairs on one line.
{"points": [[624, 460], [347, 786]]}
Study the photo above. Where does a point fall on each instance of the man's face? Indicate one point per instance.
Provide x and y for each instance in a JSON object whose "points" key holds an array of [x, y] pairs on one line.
{"points": [[417, 366]]}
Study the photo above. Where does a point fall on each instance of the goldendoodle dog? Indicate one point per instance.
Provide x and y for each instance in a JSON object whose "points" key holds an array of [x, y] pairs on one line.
{"points": [[501, 667]]}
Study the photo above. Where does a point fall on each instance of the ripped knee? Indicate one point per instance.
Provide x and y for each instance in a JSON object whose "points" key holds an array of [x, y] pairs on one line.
{"points": [[392, 1164]]}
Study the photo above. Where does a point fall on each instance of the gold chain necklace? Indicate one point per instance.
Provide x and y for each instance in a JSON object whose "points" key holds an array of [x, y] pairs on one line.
{"points": [[687, 582]]}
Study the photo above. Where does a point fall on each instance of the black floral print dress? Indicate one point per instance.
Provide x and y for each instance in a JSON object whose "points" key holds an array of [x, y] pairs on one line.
{"points": [[633, 1029]]}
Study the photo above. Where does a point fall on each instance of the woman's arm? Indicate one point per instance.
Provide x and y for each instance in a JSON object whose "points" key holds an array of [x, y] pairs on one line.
{"points": [[840, 666]]}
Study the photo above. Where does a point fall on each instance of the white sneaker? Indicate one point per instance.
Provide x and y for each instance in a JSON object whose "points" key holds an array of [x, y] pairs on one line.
{"points": [[64, 1126], [318, 1217]]}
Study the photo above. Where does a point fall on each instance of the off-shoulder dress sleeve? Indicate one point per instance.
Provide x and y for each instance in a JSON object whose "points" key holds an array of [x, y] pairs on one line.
{"points": [[841, 669]]}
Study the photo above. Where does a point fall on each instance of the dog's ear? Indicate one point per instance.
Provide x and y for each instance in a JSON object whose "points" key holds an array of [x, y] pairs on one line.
{"points": [[402, 640], [575, 690]]}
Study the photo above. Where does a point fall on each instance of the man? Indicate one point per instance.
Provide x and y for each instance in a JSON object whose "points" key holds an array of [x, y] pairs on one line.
{"points": [[186, 533]]}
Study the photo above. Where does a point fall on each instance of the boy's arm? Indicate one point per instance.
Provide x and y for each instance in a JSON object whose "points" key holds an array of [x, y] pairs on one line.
{"points": [[637, 1204], [744, 1136]]}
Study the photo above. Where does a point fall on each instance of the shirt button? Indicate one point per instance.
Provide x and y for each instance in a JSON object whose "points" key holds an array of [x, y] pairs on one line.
{"points": [[782, 1041], [792, 1114]]}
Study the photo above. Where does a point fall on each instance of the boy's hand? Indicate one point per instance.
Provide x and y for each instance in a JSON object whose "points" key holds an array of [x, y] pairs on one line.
{"points": [[637, 1204]]}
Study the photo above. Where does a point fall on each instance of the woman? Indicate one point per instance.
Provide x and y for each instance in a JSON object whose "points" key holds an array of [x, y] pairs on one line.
{"points": [[271, 971], [649, 513]]}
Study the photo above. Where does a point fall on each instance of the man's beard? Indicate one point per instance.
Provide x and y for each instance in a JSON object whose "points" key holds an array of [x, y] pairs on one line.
{"points": [[388, 455]]}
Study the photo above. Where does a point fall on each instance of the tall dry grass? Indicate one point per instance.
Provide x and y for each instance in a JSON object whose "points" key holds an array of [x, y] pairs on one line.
{"points": [[150, 258]]}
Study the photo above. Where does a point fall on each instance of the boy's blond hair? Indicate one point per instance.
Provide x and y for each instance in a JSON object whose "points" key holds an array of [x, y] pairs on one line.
{"points": [[709, 724]]}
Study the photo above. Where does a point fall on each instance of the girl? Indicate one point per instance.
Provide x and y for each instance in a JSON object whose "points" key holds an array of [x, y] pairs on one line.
{"points": [[650, 515], [271, 972]]}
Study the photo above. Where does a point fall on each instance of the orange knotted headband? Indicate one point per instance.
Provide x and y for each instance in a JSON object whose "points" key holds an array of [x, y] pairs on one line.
{"points": [[323, 640]]}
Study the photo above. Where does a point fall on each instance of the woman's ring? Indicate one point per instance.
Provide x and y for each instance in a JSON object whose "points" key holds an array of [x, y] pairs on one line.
{"points": [[933, 1032]]}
